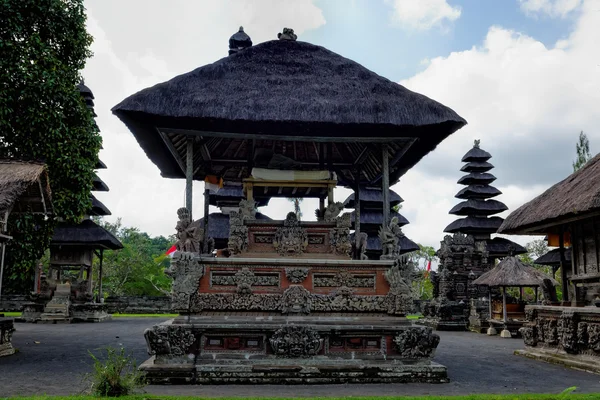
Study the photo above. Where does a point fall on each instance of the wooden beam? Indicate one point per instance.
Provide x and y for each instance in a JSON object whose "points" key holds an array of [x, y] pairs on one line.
{"points": [[189, 174], [172, 150], [357, 212], [288, 138], [563, 269], [385, 184], [206, 210]]}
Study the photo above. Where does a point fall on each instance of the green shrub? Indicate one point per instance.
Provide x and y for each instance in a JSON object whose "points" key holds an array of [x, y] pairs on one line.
{"points": [[115, 376]]}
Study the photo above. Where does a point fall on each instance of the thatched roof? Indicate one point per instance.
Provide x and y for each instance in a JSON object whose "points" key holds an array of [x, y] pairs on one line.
{"points": [[476, 178], [501, 247], [98, 208], [86, 234], [478, 207], [100, 165], [477, 166], [370, 197], [576, 197], [476, 154], [278, 93], [478, 192], [552, 258], [230, 195], [374, 244], [512, 272], [470, 225], [372, 217], [24, 187]]}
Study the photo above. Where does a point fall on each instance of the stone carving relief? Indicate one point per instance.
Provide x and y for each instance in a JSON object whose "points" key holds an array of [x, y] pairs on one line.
{"points": [[400, 295], [296, 275], [171, 340], [238, 233], [244, 279], [390, 237], [248, 209], [291, 239], [416, 342], [296, 299], [332, 211], [359, 247], [186, 272], [296, 341], [339, 237], [188, 235], [344, 278]]}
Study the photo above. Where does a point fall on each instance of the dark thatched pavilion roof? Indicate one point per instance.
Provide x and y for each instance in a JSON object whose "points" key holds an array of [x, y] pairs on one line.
{"points": [[512, 272], [477, 166], [98, 208], [478, 192], [372, 197], [294, 98], [374, 244], [471, 225], [574, 198], [476, 178], [24, 187], [478, 207], [86, 234], [375, 218], [500, 247], [230, 195], [476, 154], [99, 185], [552, 258]]}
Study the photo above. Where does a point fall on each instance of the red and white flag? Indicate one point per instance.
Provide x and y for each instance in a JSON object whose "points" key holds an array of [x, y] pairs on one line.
{"points": [[427, 269], [171, 251]]}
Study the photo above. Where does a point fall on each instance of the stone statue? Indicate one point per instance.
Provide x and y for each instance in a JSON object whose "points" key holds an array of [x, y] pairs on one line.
{"points": [[339, 237], [390, 237], [186, 272], [476, 143], [238, 233], [333, 211], [288, 34], [359, 247], [248, 209], [291, 239], [188, 235]]}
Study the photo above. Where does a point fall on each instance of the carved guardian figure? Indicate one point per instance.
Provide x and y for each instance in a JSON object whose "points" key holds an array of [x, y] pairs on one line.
{"points": [[295, 341], [291, 239]]}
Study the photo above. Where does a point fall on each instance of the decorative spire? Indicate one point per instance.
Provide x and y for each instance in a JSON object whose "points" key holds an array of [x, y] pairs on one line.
{"points": [[288, 34], [476, 143], [239, 41]]}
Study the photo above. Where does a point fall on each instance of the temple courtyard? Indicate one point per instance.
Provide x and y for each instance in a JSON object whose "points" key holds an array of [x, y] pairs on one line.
{"points": [[52, 359]]}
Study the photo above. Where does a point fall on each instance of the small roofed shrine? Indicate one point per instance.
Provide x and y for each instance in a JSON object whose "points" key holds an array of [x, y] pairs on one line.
{"points": [[567, 213], [24, 188], [65, 294], [286, 118], [552, 259], [512, 272], [371, 220], [470, 250]]}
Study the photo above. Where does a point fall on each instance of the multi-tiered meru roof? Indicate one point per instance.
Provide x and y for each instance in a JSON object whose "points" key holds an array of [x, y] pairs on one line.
{"points": [[478, 210], [371, 219]]}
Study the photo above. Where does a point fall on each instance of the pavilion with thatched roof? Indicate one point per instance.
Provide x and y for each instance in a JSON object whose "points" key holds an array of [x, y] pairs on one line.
{"points": [[286, 118]]}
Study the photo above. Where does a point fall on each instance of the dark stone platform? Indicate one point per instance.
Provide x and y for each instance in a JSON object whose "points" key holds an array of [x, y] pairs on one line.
{"points": [[7, 328]]}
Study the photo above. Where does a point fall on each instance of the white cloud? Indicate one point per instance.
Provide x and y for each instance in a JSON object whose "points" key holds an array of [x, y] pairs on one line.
{"points": [[424, 14], [552, 8], [525, 101]]}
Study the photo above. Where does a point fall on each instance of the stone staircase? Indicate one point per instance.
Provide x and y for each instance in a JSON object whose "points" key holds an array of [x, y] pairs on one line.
{"points": [[57, 310]]}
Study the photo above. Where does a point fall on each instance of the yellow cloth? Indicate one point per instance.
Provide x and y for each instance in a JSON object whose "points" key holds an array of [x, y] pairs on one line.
{"points": [[291, 175]]}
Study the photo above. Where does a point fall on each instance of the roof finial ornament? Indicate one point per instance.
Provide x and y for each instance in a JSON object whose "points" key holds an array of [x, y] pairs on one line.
{"points": [[239, 41], [288, 34], [476, 144], [511, 250]]}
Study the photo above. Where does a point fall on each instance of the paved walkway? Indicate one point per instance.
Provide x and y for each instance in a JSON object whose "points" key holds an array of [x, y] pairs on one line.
{"points": [[52, 359]]}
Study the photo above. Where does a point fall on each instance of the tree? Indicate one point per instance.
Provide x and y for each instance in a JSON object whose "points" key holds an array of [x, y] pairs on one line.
{"points": [[43, 46], [535, 249], [583, 152], [296, 201], [422, 285]]}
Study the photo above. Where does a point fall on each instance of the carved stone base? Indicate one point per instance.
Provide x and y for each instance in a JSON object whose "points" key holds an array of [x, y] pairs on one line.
{"points": [[6, 330], [450, 316], [440, 324], [211, 349], [89, 312]]}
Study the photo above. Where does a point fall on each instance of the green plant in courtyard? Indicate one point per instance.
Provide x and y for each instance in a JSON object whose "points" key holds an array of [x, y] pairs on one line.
{"points": [[116, 375]]}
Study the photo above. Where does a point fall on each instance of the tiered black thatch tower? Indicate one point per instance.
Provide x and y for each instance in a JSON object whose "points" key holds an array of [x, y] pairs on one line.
{"points": [[470, 251], [371, 219]]}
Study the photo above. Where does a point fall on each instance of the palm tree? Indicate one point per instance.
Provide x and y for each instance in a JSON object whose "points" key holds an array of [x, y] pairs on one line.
{"points": [[296, 201]]}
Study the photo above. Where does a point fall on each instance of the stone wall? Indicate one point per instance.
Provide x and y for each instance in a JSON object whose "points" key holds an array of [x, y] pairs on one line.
{"points": [[138, 304], [120, 304]]}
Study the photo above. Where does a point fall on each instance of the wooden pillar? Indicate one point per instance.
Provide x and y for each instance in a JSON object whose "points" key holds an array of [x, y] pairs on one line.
{"points": [[206, 206], [563, 264], [490, 305], [385, 184], [504, 303], [2, 267], [100, 293], [322, 206], [329, 156], [536, 294], [189, 174], [357, 211]]}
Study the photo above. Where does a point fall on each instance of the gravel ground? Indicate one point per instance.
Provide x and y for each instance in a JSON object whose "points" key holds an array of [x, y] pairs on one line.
{"points": [[52, 359]]}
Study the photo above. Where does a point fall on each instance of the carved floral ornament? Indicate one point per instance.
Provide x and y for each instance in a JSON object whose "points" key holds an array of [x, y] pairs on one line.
{"points": [[296, 275], [416, 342], [186, 271], [291, 239], [169, 340]]}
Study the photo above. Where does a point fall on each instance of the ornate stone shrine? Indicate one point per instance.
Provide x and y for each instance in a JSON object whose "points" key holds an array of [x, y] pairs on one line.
{"points": [[469, 251]]}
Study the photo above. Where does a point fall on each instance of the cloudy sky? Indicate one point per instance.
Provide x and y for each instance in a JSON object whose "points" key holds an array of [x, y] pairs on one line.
{"points": [[525, 74]]}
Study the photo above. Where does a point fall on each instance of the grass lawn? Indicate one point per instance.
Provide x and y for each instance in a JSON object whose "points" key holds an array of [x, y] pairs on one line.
{"points": [[117, 315], [471, 397], [11, 314]]}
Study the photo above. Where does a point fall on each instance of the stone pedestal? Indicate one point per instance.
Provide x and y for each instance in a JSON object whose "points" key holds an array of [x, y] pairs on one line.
{"points": [[446, 316], [568, 336], [479, 313], [57, 309], [289, 320], [6, 330], [89, 312]]}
